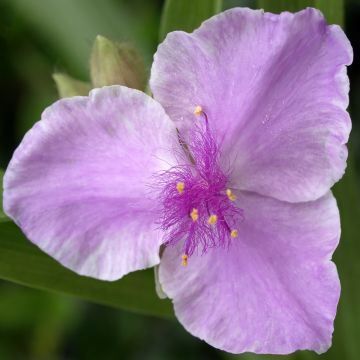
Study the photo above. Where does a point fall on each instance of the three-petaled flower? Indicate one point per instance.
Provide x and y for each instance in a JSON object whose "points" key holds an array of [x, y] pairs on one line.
{"points": [[229, 168]]}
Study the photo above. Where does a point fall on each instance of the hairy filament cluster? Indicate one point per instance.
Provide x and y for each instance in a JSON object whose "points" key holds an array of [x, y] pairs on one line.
{"points": [[197, 206]]}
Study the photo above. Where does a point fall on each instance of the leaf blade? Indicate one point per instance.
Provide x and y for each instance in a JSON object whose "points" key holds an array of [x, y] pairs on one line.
{"points": [[23, 263], [333, 10], [284, 5], [186, 15]]}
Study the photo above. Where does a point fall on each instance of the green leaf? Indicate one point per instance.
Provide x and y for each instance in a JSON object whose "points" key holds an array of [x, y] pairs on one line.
{"points": [[186, 15], [68, 27], [347, 324], [24, 263], [332, 9], [3, 217], [284, 5]]}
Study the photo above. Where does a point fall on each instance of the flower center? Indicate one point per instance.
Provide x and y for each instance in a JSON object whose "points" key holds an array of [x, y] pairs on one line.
{"points": [[198, 208]]}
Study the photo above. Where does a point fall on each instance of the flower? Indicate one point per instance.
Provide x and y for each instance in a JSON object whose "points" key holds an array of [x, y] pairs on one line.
{"points": [[236, 186]]}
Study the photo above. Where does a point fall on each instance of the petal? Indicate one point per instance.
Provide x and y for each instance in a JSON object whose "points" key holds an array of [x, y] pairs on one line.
{"points": [[274, 290], [275, 90], [79, 184]]}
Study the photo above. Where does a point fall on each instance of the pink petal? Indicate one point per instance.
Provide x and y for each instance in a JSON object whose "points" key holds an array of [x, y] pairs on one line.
{"points": [[274, 290], [275, 90], [79, 185]]}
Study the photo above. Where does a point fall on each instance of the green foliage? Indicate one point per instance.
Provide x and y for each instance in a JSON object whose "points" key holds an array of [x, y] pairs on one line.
{"points": [[24, 263], [332, 9], [282, 5], [3, 217], [33, 321], [347, 324], [68, 27], [186, 15]]}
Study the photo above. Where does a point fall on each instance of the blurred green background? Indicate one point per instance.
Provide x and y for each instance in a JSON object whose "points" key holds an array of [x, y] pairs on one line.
{"points": [[39, 37]]}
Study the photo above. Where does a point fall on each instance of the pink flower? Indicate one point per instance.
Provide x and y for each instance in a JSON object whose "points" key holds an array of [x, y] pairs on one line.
{"points": [[258, 102]]}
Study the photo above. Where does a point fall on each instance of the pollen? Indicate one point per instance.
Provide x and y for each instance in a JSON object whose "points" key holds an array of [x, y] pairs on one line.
{"points": [[198, 110], [230, 195], [194, 214], [180, 186], [184, 260], [234, 233], [212, 219]]}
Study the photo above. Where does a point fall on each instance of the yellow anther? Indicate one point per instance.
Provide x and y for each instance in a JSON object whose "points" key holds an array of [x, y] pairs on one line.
{"points": [[184, 260], [198, 110], [230, 195], [180, 186], [234, 233], [194, 214], [212, 219]]}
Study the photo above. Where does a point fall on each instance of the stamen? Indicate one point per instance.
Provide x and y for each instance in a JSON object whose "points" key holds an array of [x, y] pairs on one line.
{"points": [[180, 186], [230, 195], [194, 214], [198, 110], [184, 260], [198, 202], [212, 219]]}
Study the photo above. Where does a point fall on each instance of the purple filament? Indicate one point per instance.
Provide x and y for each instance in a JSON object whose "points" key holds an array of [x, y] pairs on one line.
{"points": [[205, 187]]}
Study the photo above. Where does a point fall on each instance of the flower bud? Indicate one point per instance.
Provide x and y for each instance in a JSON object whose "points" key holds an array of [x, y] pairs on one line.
{"points": [[68, 86], [112, 63]]}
